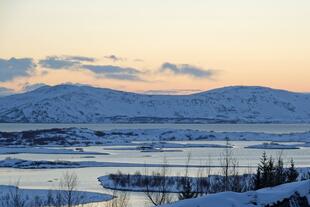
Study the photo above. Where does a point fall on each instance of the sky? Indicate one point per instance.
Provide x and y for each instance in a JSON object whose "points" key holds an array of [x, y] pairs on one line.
{"points": [[155, 46]]}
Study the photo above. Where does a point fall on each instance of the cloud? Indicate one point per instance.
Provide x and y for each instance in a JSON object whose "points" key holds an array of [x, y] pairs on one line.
{"points": [[115, 72], [186, 69], [15, 67], [78, 62], [114, 58], [81, 58], [64, 62], [55, 62], [120, 76], [6, 91]]}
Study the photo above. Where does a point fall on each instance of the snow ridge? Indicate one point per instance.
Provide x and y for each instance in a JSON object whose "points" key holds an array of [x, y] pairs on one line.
{"points": [[85, 104]]}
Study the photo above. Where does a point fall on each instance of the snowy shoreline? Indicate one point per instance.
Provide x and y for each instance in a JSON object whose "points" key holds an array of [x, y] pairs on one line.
{"points": [[273, 145], [44, 150], [60, 164], [79, 137], [43, 195]]}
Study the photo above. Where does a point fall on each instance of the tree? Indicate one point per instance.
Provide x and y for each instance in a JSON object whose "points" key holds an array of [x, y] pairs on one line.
{"points": [[120, 199], [225, 164], [68, 186], [263, 166], [269, 175], [257, 179], [234, 183], [186, 184], [14, 198], [292, 173], [280, 175], [202, 181], [160, 195], [265, 172]]}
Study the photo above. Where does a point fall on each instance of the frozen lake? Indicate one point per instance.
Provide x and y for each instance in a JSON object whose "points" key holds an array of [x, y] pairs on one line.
{"points": [[248, 158]]}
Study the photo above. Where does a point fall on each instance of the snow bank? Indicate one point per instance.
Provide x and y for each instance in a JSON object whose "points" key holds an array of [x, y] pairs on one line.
{"points": [[257, 198], [31, 195]]}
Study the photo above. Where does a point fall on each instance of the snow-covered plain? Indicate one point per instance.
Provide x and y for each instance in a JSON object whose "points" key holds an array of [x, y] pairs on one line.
{"points": [[259, 198], [84, 104]]}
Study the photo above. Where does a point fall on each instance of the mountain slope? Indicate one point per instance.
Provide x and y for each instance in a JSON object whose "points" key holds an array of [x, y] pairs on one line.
{"points": [[80, 104]]}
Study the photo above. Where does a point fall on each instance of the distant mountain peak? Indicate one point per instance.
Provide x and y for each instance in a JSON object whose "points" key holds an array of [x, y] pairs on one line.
{"points": [[246, 88], [69, 103]]}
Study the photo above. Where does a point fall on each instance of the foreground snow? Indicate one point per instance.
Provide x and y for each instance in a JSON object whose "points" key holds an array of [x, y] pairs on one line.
{"points": [[30, 195], [259, 198]]}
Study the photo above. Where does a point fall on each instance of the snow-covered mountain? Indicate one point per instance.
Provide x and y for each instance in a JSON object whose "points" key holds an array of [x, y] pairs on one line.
{"points": [[85, 104]]}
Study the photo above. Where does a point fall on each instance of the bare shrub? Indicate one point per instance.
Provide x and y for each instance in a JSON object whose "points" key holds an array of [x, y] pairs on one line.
{"points": [[187, 188], [161, 195], [68, 193], [120, 199], [14, 198]]}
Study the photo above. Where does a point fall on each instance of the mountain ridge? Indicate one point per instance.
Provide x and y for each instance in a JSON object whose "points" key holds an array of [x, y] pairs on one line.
{"points": [[86, 104]]}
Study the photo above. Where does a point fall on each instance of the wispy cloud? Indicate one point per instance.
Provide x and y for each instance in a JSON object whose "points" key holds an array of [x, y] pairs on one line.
{"points": [[79, 62], [15, 67], [115, 72], [186, 69], [62, 62], [123, 76], [114, 58], [138, 60], [56, 62], [81, 58]]}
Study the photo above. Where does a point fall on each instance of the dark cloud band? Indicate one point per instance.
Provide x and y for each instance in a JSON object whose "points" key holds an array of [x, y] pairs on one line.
{"points": [[186, 69], [61, 62], [114, 58], [15, 67], [114, 72]]}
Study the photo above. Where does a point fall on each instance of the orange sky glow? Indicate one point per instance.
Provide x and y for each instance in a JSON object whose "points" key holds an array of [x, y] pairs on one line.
{"points": [[179, 45]]}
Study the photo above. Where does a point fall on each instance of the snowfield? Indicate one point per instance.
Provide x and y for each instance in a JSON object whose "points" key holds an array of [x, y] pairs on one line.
{"points": [[84, 104], [259, 198]]}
